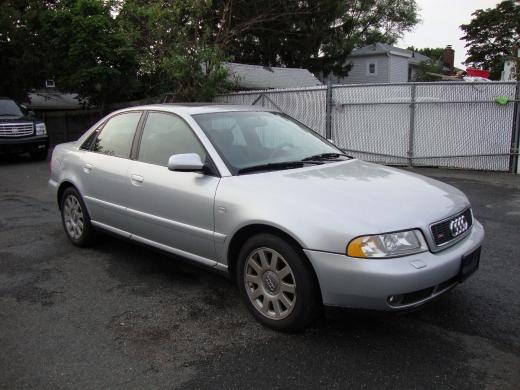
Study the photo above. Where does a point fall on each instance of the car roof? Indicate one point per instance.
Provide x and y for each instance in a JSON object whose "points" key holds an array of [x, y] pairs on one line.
{"points": [[198, 108]]}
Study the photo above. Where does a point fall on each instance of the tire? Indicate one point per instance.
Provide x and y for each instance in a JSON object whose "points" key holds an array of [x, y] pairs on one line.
{"points": [[277, 283], [39, 155], [75, 218]]}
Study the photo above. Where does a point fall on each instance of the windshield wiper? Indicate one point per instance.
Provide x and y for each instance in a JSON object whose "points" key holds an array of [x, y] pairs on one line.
{"points": [[9, 115], [325, 156], [272, 166]]}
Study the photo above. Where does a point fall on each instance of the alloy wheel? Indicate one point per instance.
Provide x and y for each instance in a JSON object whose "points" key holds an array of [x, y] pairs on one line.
{"points": [[270, 283], [73, 217]]}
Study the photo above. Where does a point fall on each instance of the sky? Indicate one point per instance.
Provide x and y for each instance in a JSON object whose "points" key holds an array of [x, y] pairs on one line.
{"points": [[440, 24]]}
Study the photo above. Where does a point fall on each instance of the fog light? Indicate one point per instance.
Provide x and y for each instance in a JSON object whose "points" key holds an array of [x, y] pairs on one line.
{"points": [[394, 299]]}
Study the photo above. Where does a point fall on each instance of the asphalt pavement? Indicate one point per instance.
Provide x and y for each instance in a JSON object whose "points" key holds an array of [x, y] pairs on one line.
{"points": [[119, 315]]}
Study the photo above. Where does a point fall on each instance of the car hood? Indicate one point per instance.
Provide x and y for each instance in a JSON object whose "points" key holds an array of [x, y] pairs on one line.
{"points": [[388, 195], [350, 198], [14, 119]]}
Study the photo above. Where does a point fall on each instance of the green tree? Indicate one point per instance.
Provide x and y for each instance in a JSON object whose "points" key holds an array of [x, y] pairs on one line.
{"points": [[490, 36], [317, 35], [435, 53], [75, 42], [429, 69], [22, 61], [176, 47], [112, 50], [87, 53]]}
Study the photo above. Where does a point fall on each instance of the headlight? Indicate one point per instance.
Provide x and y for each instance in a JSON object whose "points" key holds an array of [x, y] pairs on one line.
{"points": [[387, 245], [41, 129]]}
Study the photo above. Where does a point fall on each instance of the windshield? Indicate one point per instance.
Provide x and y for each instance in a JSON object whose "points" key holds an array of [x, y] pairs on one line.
{"points": [[9, 108], [249, 138]]}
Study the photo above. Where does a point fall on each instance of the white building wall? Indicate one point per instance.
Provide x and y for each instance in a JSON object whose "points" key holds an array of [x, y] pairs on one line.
{"points": [[398, 69], [359, 73]]}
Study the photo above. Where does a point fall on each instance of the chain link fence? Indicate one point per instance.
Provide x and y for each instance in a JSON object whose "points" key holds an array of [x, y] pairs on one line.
{"points": [[307, 105], [450, 124]]}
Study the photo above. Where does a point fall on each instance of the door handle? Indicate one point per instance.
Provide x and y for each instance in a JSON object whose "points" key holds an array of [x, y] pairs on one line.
{"points": [[137, 179], [87, 168]]}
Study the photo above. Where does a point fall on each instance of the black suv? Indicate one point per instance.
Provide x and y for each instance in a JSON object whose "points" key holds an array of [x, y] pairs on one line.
{"points": [[21, 132]]}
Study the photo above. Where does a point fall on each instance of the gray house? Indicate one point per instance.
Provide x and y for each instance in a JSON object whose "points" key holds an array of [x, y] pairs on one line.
{"points": [[380, 63], [263, 77]]}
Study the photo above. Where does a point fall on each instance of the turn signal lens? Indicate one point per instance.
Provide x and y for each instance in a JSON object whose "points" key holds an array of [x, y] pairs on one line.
{"points": [[387, 245]]}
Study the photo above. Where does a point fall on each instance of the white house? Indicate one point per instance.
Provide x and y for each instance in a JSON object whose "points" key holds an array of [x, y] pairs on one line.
{"points": [[380, 63]]}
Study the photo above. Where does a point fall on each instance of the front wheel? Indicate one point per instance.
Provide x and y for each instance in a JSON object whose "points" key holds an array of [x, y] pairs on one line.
{"points": [[277, 283], [75, 218]]}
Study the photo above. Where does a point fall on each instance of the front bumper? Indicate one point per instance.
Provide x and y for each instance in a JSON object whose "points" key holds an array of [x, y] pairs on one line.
{"points": [[367, 284], [24, 144]]}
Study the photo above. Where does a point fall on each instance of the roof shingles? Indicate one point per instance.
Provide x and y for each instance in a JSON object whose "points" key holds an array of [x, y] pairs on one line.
{"points": [[383, 48], [261, 77]]}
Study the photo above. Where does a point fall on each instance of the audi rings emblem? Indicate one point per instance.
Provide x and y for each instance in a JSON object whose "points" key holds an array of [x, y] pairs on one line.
{"points": [[458, 226]]}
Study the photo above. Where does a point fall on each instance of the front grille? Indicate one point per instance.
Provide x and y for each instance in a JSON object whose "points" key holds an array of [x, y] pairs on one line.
{"points": [[16, 129], [453, 228]]}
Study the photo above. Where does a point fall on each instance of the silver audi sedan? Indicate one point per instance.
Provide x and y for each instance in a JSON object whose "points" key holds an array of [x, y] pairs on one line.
{"points": [[259, 196]]}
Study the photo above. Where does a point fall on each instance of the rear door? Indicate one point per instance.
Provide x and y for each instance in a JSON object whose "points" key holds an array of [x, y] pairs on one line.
{"points": [[104, 170], [171, 208]]}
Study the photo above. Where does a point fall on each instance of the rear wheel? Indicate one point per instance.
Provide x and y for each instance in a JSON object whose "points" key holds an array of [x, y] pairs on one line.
{"points": [[277, 283], [75, 218]]}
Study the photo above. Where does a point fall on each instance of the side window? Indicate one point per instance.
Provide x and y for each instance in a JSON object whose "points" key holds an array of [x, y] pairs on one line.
{"points": [[164, 135], [117, 135]]}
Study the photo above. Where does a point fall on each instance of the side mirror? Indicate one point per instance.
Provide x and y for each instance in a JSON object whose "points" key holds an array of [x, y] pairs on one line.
{"points": [[31, 113], [188, 162]]}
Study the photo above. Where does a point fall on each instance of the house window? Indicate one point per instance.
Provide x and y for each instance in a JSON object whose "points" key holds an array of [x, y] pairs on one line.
{"points": [[371, 68]]}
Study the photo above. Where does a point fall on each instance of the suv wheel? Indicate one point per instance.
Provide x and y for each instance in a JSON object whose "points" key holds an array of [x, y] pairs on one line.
{"points": [[277, 283], [76, 220]]}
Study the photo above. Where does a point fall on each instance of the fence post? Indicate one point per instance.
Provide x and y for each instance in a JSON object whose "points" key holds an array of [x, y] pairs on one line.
{"points": [[328, 111], [515, 146], [411, 134]]}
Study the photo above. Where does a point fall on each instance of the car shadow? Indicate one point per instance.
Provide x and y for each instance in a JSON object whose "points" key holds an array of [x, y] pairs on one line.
{"points": [[180, 303], [134, 264]]}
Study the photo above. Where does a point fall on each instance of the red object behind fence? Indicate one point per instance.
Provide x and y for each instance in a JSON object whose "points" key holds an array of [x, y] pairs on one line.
{"points": [[472, 72]]}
